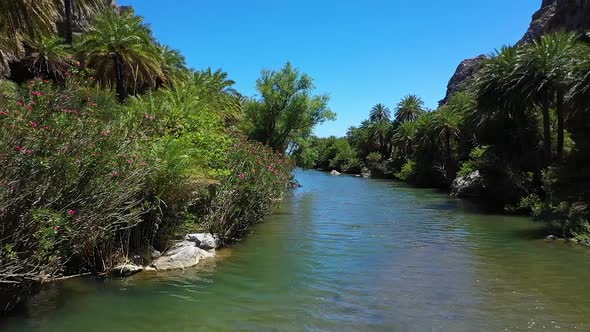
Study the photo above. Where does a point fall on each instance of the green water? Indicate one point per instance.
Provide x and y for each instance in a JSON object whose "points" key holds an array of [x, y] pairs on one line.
{"points": [[347, 254]]}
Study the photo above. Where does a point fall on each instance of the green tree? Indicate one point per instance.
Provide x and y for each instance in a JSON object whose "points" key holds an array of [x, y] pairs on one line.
{"points": [[404, 138], [379, 113], [409, 108], [286, 108], [84, 8], [48, 58], [22, 20], [120, 49], [542, 77], [380, 133]]}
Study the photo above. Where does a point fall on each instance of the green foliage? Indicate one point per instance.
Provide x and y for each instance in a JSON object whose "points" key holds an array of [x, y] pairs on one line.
{"points": [[374, 157], [120, 49], [407, 172], [409, 108], [286, 110], [257, 180], [479, 158]]}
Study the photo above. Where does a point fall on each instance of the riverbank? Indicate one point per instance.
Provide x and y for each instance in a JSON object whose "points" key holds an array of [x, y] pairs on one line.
{"points": [[436, 263]]}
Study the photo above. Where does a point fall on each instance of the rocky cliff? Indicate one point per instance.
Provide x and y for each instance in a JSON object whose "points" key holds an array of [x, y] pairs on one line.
{"points": [[570, 15]]}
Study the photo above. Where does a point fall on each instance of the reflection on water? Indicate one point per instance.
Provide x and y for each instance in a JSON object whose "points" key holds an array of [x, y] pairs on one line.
{"points": [[347, 254]]}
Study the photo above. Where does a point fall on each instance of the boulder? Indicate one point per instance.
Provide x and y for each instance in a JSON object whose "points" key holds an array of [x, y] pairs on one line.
{"points": [[156, 254], [334, 172], [127, 269], [205, 241], [182, 255], [551, 238], [470, 186]]}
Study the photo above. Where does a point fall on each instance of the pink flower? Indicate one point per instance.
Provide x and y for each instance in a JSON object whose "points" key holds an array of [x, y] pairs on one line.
{"points": [[71, 212], [105, 133], [78, 63], [115, 173], [29, 151], [4, 113], [241, 176], [37, 93], [34, 124], [20, 103], [19, 148]]}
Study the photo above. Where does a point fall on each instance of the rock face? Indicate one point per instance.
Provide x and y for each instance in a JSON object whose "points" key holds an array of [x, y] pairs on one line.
{"points": [[184, 254], [554, 15], [464, 74], [470, 186], [570, 15]]}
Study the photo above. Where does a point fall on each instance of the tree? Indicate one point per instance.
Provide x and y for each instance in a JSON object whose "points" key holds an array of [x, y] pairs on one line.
{"points": [[286, 108], [84, 8], [409, 108], [404, 138], [380, 132], [446, 127], [48, 58], [542, 75], [380, 112], [22, 20], [120, 49]]}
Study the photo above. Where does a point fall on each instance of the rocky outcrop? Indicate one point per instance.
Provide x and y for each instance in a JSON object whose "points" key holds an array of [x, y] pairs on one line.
{"points": [[183, 255], [554, 15], [470, 186], [464, 75]]}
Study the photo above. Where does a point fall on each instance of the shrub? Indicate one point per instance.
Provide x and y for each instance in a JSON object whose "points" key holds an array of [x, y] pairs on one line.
{"points": [[407, 173], [374, 157], [71, 186], [258, 178]]}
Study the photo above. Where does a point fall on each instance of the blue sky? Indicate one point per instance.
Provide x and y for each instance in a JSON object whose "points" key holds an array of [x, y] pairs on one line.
{"points": [[359, 52]]}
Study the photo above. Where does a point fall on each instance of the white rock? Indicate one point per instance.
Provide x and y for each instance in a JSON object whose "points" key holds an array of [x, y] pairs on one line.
{"points": [[182, 255], [127, 269], [334, 172], [203, 240]]}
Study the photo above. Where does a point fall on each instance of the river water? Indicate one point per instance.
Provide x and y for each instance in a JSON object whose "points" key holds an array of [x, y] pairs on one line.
{"points": [[347, 254]]}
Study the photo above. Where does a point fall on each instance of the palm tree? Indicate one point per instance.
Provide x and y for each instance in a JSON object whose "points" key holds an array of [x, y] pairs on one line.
{"points": [[543, 78], [379, 133], [120, 49], [497, 97], [173, 62], [580, 91], [409, 108], [446, 128], [49, 58], [380, 112], [22, 20], [404, 138], [84, 8]]}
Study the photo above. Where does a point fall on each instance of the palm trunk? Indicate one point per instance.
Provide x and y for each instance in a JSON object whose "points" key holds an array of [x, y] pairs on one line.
{"points": [[560, 126], [546, 133], [68, 17], [120, 78]]}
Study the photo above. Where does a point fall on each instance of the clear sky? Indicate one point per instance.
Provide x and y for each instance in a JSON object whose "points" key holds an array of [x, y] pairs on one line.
{"points": [[360, 52]]}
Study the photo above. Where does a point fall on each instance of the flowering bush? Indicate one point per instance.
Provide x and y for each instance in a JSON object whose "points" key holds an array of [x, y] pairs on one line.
{"points": [[72, 179], [258, 178]]}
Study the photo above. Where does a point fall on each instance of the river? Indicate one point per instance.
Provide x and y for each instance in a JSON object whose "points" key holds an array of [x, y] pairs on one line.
{"points": [[347, 254]]}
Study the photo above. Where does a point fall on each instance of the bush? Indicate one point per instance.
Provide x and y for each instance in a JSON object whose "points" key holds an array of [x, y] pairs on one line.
{"points": [[71, 186], [407, 173], [374, 157], [257, 180]]}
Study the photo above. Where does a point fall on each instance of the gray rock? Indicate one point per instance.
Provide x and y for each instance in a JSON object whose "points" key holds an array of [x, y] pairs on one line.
{"points": [[203, 240], [156, 254], [127, 269], [182, 256], [334, 172], [463, 76], [551, 238], [470, 186]]}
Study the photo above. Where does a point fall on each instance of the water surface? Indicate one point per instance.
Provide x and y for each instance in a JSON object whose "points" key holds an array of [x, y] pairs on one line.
{"points": [[347, 254]]}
